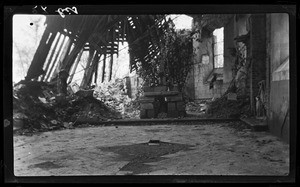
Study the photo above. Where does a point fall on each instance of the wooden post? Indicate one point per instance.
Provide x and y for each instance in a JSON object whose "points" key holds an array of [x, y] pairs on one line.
{"points": [[92, 54]]}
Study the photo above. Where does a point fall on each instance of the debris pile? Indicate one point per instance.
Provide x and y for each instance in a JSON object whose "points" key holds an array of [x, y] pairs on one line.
{"points": [[38, 107], [196, 107], [224, 108]]}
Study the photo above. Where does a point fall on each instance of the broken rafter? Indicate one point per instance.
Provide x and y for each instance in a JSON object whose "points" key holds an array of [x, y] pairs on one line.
{"points": [[85, 34], [69, 60], [87, 72]]}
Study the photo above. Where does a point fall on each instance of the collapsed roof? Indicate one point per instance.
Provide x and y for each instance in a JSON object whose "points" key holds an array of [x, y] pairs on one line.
{"points": [[101, 35]]}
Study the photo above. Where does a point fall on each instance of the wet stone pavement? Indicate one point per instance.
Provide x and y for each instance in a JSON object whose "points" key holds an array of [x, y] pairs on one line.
{"points": [[193, 149]]}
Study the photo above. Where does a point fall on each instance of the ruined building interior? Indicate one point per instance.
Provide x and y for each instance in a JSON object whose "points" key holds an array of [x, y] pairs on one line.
{"points": [[224, 67]]}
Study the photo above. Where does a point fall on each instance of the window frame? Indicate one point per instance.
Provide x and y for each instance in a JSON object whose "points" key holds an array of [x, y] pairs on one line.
{"points": [[214, 43]]}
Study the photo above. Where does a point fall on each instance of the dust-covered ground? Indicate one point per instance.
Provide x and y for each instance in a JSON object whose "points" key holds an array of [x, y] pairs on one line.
{"points": [[196, 148]]}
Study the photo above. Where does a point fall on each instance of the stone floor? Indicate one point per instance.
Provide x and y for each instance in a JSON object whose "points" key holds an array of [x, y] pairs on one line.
{"points": [[216, 149]]}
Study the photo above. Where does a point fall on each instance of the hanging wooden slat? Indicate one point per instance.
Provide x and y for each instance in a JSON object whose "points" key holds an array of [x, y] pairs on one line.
{"points": [[96, 70], [54, 59], [75, 66], [103, 67], [92, 69], [65, 51], [69, 60], [111, 65], [50, 60], [111, 55]]}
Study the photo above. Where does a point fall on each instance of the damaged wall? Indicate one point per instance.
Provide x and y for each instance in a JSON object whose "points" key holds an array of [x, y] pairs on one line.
{"points": [[279, 75], [189, 90], [229, 60], [202, 69]]}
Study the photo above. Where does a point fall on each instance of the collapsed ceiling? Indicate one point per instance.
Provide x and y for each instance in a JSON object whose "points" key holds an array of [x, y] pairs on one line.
{"points": [[100, 35]]}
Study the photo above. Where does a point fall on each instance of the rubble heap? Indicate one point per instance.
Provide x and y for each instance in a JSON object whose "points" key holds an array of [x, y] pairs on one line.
{"points": [[114, 95], [224, 108], [38, 108], [196, 107]]}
